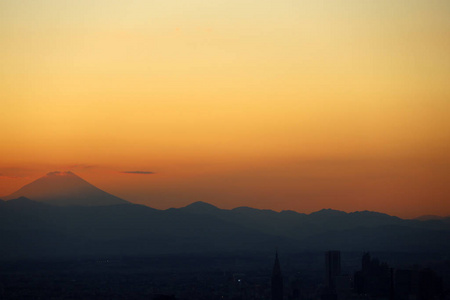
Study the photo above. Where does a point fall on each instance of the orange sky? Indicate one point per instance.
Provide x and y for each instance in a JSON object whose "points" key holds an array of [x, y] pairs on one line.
{"points": [[296, 105]]}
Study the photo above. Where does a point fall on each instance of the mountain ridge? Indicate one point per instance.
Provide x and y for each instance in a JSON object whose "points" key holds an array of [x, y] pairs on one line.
{"points": [[29, 228], [87, 227]]}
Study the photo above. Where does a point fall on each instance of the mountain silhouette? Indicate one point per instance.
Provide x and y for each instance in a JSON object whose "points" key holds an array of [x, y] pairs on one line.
{"points": [[429, 217], [62, 215], [34, 229], [65, 189], [201, 207]]}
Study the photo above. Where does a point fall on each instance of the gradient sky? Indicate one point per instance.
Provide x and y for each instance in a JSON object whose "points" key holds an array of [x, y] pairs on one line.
{"points": [[282, 104]]}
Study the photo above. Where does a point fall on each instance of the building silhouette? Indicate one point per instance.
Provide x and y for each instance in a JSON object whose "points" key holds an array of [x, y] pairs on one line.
{"points": [[332, 272], [422, 284], [277, 280], [332, 269], [374, 278]]}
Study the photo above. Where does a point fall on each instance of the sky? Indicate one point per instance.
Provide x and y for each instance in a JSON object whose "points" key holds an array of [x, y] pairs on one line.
{"points": [[298, 105]]}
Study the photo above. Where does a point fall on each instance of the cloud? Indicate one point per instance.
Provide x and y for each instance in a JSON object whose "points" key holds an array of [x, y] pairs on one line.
{"points": [[138, 172]]}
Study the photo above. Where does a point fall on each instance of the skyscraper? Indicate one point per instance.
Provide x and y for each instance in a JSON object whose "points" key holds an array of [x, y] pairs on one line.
{"points": [[332, 269], [277, 280]]}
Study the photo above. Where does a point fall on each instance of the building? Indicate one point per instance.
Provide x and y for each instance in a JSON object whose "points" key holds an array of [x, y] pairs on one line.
{"points": [[418, 284], [332, 269], [374, 278], [277, 280]]}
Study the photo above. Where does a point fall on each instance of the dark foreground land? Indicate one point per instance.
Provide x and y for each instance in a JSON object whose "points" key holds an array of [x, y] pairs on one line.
{"points": [[237, 276]]}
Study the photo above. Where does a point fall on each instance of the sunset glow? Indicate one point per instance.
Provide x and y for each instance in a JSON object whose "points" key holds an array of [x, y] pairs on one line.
{"points": [[298, 105]]}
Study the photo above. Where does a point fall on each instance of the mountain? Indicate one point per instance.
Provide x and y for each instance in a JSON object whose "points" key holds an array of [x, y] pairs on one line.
{"points": [[429, 217], [291, 224], [201, 207], [33, 229], [65, 189], [30, 229]]}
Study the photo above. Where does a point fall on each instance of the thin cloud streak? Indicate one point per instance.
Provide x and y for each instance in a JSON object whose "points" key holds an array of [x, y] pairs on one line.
{"points": [[138, 172]]}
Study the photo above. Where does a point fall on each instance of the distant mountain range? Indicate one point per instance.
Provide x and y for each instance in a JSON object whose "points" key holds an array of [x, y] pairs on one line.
{"points": [[62, 227]]}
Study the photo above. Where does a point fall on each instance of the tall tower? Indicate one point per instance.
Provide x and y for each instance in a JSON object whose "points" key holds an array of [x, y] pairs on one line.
{"points": [[277, 280], [332, 269]]}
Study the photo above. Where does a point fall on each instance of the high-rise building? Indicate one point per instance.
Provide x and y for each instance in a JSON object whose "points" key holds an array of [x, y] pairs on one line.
{"points": [[332, 269], [277, 280], [374, 278]]}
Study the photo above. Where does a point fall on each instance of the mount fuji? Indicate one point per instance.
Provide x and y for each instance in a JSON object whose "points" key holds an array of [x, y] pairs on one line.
{"points": [[65, 189]]}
